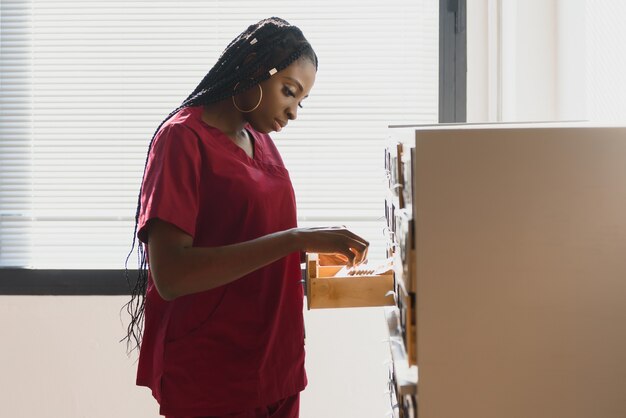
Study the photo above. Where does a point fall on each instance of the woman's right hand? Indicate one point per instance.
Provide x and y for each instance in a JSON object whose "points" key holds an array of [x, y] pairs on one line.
{"points": [[333, 240]]}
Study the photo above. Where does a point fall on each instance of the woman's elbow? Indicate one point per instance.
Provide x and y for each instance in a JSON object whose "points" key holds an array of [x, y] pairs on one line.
{"points": [[166, 295], [163, 285]]}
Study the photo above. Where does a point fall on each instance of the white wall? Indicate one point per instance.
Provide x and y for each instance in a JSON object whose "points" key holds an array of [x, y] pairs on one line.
{"points": [[478, 70], [60, 357], [512, 61], [571, 60], [534, 62], [538, 60], [605, 52]]}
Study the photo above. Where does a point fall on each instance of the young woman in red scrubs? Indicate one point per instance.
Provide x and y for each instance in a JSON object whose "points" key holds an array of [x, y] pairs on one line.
{"points": [[218, 314]]}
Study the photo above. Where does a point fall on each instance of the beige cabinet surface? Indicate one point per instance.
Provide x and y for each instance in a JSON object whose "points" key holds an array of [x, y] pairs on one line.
{"points": [[520, 264]]}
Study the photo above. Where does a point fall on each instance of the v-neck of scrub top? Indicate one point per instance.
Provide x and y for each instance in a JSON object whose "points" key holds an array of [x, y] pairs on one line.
{"points": [[257, 147]]}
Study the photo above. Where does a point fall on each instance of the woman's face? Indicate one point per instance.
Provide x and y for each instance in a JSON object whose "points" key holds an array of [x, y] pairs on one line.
{"points": [[282, 96]]}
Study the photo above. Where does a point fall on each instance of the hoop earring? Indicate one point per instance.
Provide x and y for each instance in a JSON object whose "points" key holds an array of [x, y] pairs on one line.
{"points": [[254, 108]]}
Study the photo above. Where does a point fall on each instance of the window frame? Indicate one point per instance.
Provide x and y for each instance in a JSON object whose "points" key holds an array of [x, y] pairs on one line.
{"points": [[452, 61], [61, 282]]}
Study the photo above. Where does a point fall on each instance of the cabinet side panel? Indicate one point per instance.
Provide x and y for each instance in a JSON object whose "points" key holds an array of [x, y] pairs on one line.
{"points": [[521, 273]]}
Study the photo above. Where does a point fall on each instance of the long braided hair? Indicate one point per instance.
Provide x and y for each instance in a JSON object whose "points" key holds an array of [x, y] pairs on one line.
{"points": [[264, 48]]}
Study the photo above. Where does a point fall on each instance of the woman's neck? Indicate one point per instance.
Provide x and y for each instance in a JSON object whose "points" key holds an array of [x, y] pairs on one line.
{"points": [[223, 116]]}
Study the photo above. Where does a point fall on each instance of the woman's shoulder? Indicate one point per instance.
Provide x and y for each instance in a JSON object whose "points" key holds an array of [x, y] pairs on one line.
{"points": [[177, 136], [186, 123], [184, 119]]}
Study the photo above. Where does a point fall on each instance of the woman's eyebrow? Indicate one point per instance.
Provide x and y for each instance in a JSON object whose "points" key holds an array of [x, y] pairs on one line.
{"points": [[297, 83]]}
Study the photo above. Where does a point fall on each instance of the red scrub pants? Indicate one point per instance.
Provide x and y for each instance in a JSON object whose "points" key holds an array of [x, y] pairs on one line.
{"points": [[285, 408]]}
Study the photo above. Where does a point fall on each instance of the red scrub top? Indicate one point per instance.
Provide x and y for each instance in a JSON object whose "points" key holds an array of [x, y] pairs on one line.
{"points": [[241, 345]]}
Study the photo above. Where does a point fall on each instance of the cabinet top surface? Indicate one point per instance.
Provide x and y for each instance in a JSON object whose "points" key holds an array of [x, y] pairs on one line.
{"points": [[506, 125]]}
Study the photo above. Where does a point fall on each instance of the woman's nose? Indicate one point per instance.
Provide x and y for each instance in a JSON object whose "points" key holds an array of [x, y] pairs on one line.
{"points": [[292, 113]]}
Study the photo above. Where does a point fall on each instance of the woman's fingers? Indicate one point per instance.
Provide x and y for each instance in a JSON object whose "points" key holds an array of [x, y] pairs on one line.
{"points": [[332, 259], [356, 247], [338, 240], [360, 256], [343, 230]]}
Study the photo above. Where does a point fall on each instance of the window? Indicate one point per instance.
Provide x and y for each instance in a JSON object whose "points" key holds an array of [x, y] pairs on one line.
{"points": [[86, 83]]}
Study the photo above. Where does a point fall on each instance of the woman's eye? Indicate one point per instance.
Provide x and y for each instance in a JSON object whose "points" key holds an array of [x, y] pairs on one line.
{"points": [[287, 91]]}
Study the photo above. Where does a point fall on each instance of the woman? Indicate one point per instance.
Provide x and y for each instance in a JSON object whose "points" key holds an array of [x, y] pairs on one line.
{"points": [[223, 332]]}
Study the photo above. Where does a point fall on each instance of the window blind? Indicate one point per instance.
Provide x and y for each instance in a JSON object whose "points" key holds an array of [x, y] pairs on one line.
{"points": [[85, 83]]}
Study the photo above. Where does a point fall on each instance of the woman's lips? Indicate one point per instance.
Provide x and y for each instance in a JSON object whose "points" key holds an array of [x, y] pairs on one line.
{"points": [[277, 126]]}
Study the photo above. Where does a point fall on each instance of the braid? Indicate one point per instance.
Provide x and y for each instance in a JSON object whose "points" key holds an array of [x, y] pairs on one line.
{"points": [[273, 44]]}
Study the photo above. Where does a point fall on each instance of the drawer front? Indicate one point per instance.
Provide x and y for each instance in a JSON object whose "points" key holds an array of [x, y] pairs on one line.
{"points": [[350, 292], [325, 291]]}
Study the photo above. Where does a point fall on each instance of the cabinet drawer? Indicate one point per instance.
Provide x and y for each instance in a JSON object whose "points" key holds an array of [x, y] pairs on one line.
{"points": [[324, 290]]}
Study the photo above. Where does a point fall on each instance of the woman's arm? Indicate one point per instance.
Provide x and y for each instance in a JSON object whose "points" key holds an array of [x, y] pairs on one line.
{"points": [[180, 269]]}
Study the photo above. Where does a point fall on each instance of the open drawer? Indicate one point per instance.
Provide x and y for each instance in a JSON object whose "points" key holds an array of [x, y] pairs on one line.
{"points": [[325, 290]]}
